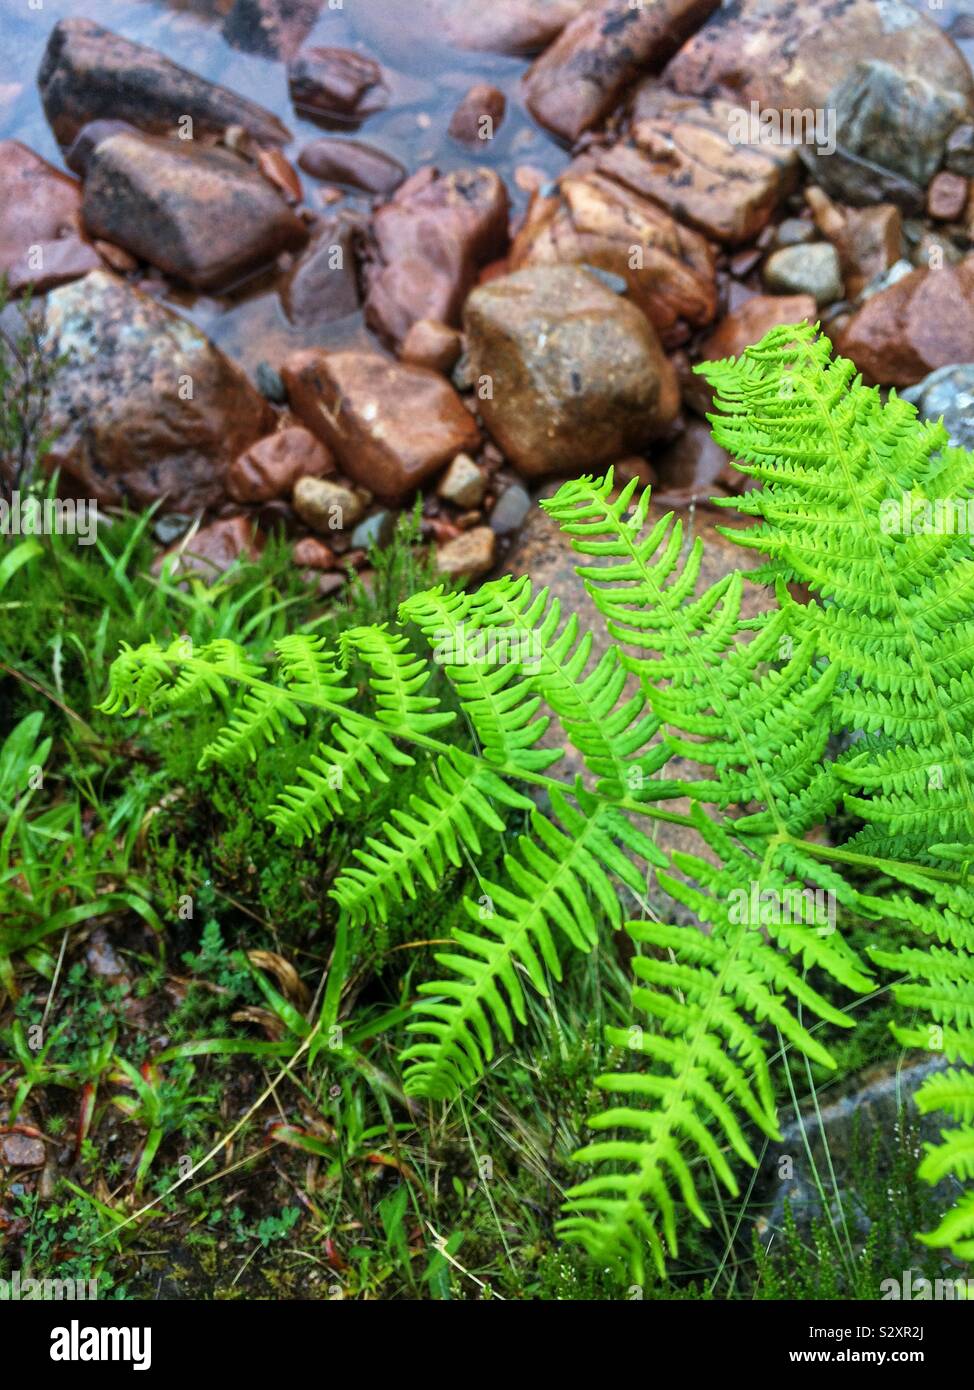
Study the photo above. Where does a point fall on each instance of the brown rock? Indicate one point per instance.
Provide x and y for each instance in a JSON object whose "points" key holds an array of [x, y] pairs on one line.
{"points": [[115, 258], [479, 115], [327, 505], [505, 26], [431, 344], [322, 285], [213, 549], [272, 466], [428, 245], [582, 75], [87, 140], [924, 321], [271, 28], [279, 172], [337, 82], [469, 556], [40, 228], [312, 554], [168, 206], [692, 468], [352, 164], [571, 375], [947, 196], [669, 268], [389, 425], [463, 483], [753, 319], [145, 406], [22, 1151], [869, 240], [683, 158], [88, 72]]}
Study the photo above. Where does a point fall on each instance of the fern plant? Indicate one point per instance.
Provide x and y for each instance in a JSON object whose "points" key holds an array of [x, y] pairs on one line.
{"points": [[754, 701]]}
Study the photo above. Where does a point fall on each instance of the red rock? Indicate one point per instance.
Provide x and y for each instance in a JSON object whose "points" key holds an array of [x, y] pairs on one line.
{"points": [[947, 197], [322, 285], [753, 319], [479, 115], [428, 245], [337, 82], [271, 467], [570, 375], [869, 241], [389, 425], [115, 257], [144, 408], [311, 553], [583, 74], [88, 73], [281, 173], [924, 321], [168, 206], [669, 268], [87, 140], [431, 344], [40, 241], [213, 549], [352, 164], [682, 158]]}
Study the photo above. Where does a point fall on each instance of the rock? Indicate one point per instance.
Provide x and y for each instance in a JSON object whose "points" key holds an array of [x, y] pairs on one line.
{"points": [[126, 427], [692, 468], [505, 26], [103, 960], [212, 550], [22, 1151], [87, 140], [311, 553], [479, 115], [582, 75], [88, 72], [812, 270], [352, 164], [390, 425], [168, 205], [463, 483], [869, 240], [948, 392], [794, 231], [947, 197], [923, 321], [326, 506], [575, 375], [469, 556], [281, 174], [322, 285], [668, 267], [377, 529], [272, 466], [960, 151], [839, 1133], [683, 157], [40, 227], [887, 83], [271, 28], [337, 83], [269, 383], [431, 344], [428, 245], [512, 507], [752, 320]]}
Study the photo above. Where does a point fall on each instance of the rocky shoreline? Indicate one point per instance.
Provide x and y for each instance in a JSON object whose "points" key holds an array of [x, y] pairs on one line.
{"points": [[503, 331]]}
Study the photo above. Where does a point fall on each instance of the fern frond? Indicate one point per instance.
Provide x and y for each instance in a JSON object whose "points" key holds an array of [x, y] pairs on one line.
{"points": [[397, 678]]}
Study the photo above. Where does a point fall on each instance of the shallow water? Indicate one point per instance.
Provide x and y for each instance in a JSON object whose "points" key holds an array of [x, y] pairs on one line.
{"points": [[427, 81]]}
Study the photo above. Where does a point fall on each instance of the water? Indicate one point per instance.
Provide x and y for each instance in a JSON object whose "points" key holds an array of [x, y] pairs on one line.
{"points": [[427, 81]]}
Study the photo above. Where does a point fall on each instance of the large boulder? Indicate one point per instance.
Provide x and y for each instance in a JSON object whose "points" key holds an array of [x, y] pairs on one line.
{"points": [[597, 221], [145, 407], [88, 72], [579, 79], [922, 322], [570, 375], [390, 425], [40, 225], [202, 215], [428, 246]]}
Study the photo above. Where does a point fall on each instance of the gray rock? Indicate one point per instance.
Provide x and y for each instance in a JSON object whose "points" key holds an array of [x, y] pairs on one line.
{"points": [[463, 483], [810, 270], [795, 231], [960, 151], [377, 529], [269, 383], [512, 507], [948, 392], [326, 506]]}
